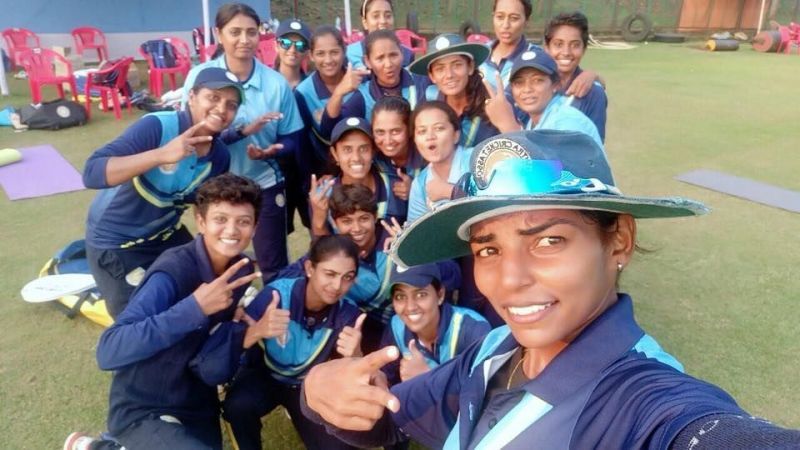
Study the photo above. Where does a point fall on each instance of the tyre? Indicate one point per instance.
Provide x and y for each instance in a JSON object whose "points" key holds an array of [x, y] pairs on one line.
{"points": [[636, 27], [469, 27]]}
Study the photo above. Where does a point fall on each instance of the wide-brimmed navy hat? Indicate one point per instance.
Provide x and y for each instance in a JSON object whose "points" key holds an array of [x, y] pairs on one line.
{"points": [[521, 171], [449, 44], [537, 59], [294, 26], [417, 276], [218, 78], [349, 124]]}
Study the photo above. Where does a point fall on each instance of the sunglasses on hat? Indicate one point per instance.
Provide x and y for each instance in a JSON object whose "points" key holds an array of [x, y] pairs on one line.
{"points": [[299, 45]]}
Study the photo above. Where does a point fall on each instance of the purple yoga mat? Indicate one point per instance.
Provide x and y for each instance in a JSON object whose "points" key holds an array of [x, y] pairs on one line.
{"points": [[42, 171]]}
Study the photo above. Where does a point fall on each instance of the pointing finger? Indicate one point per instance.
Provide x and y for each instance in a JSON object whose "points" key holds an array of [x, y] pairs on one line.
{"points": [[379, 358]]}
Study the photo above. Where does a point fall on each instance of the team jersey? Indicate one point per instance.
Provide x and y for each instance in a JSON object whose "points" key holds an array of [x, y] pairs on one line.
{"points": [[558, 115], [147, 209], [389, 205], [418, 198], [412, 168], [458, 329], [489, 69], [360, 104], [265, 91], [308, 341], [593, 104], [473, 129]]}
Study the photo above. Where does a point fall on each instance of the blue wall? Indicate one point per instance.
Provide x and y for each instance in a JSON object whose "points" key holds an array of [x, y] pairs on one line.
{"points": [[111, 16]]}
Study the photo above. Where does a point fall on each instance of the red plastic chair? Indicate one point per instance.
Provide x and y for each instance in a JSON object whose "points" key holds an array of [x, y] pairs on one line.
{"points": [[479, 38], [18, 40], [89, 38], [790, 38], [100, 81], [206, 53], [183, 62], [266, 52], [415, 42], [354, 36], [38, 63]]}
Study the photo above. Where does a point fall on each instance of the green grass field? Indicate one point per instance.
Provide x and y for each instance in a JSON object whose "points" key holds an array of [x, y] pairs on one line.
{"points": [[717, 292]]}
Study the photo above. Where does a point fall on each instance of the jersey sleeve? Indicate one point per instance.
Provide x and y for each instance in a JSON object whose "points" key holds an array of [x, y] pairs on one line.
{"points": [[417, 198], [153, 321], [291, 121]]}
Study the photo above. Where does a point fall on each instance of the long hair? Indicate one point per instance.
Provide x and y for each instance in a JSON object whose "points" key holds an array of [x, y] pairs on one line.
{"points": [[226, 13]]}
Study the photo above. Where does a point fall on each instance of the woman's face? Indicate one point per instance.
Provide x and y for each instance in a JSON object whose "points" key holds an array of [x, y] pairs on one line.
{"points": [[379, 16], [434, 135], [566, 48], [216, 107], [532, 90], [291, 56], [332, 278], [418, 308], [227, 229], [451, 74], [327, 56], [353, 154], [509, 21], [390, 133], [547, 273], [239, 37], [385, 60]]}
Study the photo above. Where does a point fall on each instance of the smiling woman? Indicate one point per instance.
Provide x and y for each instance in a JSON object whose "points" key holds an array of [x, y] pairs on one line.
{"points": [[571, 368]]}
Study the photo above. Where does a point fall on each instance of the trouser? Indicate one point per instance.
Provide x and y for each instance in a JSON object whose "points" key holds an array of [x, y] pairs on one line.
{"points": [[254, 394], [269, 241], [118, 271]]}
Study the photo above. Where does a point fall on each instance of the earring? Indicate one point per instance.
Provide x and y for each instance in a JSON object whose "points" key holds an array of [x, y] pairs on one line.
{"points": [[619, 267]]}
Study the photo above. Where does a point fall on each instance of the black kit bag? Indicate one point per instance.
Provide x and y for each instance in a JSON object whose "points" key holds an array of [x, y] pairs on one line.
{"points": [[53, 115]]}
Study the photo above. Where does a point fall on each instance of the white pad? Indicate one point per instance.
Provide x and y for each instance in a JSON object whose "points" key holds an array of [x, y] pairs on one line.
{"points": [[53, 287]]}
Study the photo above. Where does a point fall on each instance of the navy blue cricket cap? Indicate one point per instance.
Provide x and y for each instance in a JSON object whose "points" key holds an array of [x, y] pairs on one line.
{"points": [[417, 276], [349, 124], [218, 78], [294, 26], [536, 59]]}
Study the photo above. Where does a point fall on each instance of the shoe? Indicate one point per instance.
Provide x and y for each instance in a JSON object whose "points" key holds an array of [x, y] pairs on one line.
{"points": [[78, 441], [741, 36]]}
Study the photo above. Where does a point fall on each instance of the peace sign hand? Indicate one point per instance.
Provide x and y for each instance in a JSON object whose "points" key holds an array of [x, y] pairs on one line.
{"points": [[498, 109], [394, 230], [218, 295], [318, 198], [183, 145]]}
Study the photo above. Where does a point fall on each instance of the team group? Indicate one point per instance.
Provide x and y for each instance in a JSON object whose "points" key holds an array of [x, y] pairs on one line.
{"points": [[369, 141]]}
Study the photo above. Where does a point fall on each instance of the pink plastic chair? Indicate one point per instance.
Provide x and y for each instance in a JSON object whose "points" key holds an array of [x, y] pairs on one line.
{"points": [[790, 38], [479, 38], [38, 63], [354, 36], [19, 40], [415, 42], [113, 89], [206, 53], [89, 38], [266, 52], [183, 63]]}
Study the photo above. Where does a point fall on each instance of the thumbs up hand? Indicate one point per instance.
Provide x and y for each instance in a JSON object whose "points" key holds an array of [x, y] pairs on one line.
{"points": [[349, 342], [273, 324], [413, 364]]}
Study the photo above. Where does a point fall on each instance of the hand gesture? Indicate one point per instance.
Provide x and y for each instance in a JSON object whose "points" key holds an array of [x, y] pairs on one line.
{"points": [[318, 198], [256, 125], [414, 364], [401, 188], [349, 342], [498, 109], [351, 81], [351, 393], [183, 145], [394, 230], [273, 324], [218, 295], [437, 189], [582, 84], [256, 152]]}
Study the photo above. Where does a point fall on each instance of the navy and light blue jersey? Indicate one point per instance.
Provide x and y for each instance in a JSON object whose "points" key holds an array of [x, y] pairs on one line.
{"points": [[593, 104], [265, 91], [147, 209], [355, 55], [558, 115], [473, 129], [489, 69], [418, 197], [312, 97], [308, 341], [458, 329], [412, 168], [612, 387], [153, 345], [361, 103], [389, 205]]}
